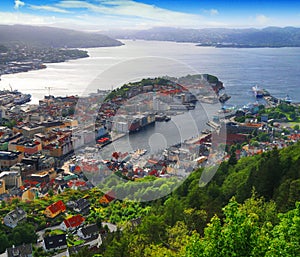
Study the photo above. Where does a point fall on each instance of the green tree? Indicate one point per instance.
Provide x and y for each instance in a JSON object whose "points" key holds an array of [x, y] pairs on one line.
{"points": [[23, 233], [232, 159], [238, 234], [3, 204], [4, 242], [286, 235], [173, 211]]}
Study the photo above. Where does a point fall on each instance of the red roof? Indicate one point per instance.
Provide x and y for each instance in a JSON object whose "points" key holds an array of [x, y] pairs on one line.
{"points": [[108, 197], [74, 221], [56, 207]]}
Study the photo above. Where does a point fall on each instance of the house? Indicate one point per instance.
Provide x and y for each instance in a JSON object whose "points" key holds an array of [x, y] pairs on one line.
{"points": [[87, 232], [72, 223], [28, 195], [55, 242], [107, 198], [81, 205], [20, 251], [54, 209], [14, 217]]}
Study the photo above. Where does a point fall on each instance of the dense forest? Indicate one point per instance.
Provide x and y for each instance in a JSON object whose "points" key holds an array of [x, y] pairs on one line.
{"points": [[249, 209]]}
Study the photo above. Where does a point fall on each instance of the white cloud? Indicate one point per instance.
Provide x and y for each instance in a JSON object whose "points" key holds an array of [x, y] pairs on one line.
{"points": [[18, 4], [48, 8], [214, 12], [128, 14], [211, 12], [262, 19], [134, 9]]}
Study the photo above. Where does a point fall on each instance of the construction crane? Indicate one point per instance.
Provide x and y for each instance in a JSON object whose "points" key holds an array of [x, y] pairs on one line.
{"points": [[49, 88]]}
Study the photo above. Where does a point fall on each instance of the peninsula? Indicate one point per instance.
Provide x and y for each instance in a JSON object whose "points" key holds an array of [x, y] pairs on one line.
{"points": [[24, 48]]}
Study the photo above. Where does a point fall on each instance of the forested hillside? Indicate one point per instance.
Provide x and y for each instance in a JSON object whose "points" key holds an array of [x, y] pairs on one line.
{"points": [[248, 209]]}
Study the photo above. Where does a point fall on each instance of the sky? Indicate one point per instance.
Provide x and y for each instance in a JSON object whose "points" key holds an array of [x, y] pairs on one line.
{"points": [[143, 14]]}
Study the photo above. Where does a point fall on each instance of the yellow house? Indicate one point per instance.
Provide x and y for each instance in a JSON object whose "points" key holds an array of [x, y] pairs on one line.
{"points": [[28, 195], [55, 209]]}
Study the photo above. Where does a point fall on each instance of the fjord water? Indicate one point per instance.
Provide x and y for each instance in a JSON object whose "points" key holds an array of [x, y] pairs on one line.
{"points": [[275, 69]]}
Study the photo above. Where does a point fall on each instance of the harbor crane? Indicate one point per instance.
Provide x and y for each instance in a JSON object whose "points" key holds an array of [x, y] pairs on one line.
{"points": [[49, 90]]}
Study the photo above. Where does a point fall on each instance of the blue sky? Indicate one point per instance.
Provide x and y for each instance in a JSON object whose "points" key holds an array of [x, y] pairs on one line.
{"points": [[142, 14]]}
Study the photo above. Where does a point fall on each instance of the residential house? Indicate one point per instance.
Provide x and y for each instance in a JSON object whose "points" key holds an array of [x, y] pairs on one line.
{"points": [[87, 232], [107, 198], [81, 205], [55, 242], [12, 218], [54, 209], [24, 250], [29, 195], [72, 223]]}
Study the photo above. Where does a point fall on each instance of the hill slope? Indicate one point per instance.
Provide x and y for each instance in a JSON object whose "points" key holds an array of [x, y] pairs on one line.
{"points": [[53, 37], [267, 37]]}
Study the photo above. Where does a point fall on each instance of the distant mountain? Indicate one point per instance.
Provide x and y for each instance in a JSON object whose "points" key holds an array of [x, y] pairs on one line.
{"points": [[53, 37], [267, 37]]}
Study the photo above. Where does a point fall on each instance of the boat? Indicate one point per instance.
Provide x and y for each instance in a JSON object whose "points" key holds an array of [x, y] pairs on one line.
{"points": [[287, 99], [223, 98], [258, 92], [103, 142], [22, 99]]}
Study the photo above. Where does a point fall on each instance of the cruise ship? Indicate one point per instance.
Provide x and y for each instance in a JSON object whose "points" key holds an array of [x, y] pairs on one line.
{"points": [[22, 99]]}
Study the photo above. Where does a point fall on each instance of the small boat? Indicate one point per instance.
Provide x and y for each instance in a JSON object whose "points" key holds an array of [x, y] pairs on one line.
{"points": [[168, 118], [223, 98], [259, 93], [287, 99]]}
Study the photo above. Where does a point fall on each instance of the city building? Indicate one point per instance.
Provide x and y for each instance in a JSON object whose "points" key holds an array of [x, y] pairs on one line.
{"points": [[8, 159], [11, 179]]}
